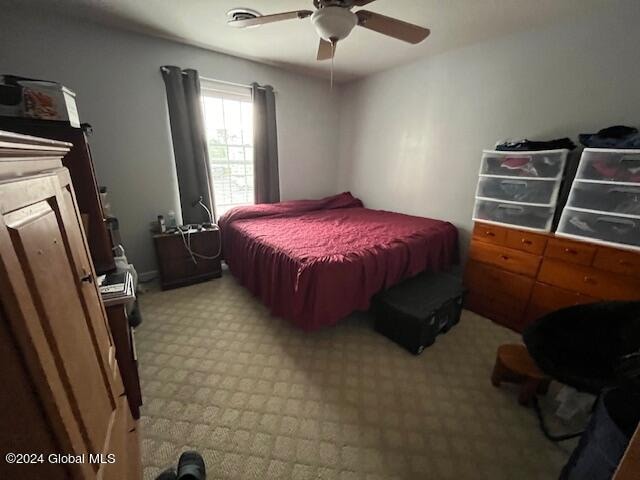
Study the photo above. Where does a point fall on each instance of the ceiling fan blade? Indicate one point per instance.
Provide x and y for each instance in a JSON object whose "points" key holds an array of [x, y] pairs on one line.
{"points": [[362, 3], [250, 22], [326, 50], [392, 27]]}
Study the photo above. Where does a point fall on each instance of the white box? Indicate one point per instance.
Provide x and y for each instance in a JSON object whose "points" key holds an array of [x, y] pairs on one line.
{"points": [[49, 101]]}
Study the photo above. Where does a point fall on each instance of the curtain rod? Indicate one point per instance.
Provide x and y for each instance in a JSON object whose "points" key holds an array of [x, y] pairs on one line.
{"points": [[226, 83], [207, 79], [235, 84]]}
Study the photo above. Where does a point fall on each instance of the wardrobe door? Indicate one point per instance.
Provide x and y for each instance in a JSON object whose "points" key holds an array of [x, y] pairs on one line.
{"points": [[57, 318], [84, 270]]}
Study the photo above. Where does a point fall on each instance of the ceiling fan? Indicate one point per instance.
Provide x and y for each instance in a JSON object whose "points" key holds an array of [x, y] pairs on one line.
{"points": [[334, 20]]}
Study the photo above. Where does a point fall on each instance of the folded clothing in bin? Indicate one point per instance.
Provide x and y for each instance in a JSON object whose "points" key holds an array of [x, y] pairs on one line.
{"points": [[414, 312]]}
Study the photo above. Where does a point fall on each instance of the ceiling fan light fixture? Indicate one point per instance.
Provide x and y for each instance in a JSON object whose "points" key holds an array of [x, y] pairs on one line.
{"points": [[334, 23]]}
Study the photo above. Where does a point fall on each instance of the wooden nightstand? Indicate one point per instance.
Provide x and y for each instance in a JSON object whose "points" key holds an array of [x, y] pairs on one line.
{"points": [[176, 265]]}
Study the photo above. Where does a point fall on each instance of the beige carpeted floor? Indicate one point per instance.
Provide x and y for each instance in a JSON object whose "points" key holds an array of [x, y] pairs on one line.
{"points": [[261, 399]]}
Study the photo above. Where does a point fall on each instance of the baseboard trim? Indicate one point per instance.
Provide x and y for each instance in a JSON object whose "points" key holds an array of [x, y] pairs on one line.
{"points": [[147, 276]]}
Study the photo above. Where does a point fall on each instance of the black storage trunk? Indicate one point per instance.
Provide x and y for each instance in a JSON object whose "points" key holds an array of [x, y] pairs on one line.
{"points": [[414, 312]]}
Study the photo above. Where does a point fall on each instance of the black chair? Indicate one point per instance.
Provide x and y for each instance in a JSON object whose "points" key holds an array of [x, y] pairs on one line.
{"points": [[589, 347], [593, 348]]}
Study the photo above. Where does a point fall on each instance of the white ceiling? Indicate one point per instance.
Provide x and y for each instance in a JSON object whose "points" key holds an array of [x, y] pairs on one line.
{"points": [[293, 43]]}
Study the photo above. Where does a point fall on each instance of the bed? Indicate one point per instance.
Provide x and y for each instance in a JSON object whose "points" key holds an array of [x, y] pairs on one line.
{"points": [[314, 262]]}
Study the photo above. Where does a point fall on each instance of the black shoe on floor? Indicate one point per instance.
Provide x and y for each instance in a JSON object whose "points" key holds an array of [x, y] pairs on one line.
{"points": [[191, 466]]}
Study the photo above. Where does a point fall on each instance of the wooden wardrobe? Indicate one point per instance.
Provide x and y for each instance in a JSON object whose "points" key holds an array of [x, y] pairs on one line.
{"points": [[62, 394], [79, 161]]}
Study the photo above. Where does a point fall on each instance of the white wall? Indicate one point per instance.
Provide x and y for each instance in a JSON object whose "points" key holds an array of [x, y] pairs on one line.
{"points": [[411, 138], [120, 92]]}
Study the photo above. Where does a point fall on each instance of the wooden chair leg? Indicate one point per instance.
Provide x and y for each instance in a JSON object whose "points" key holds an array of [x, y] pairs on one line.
{"points": [[543, 387], [528, 390], [499, 373]]}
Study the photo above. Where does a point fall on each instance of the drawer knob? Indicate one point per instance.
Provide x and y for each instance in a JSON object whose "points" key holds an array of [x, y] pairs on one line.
{"points": [[589, 279], [570, 251], [504, 257], [489, 233], [526, 242]]}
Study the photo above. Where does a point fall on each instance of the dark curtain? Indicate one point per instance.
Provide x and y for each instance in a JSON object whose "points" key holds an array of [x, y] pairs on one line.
{"points": [[189, 143], [265, 145]]}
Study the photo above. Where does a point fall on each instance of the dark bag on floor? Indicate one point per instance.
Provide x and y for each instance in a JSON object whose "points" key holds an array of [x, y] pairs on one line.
{"points": [[414, 312]]}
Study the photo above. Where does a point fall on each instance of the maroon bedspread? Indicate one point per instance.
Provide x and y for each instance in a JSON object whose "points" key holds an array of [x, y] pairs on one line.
{"points": [[315, 261]]}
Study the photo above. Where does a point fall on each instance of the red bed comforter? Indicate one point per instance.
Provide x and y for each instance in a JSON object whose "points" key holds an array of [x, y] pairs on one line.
{"points": [[315, 261]]}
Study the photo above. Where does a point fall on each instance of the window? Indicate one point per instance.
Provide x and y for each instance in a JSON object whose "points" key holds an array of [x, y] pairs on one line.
{"points": [[228, 115]]}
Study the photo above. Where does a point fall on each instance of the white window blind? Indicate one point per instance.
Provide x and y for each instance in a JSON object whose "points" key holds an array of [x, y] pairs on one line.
{"points": [[228, 115]]}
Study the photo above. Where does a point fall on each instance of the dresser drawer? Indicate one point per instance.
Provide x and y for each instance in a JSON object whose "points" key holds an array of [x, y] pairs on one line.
{"points": [[542, 192], [618, 261], [608, 164], [490, 233], [497, 294], [496, 307], [589, 281], [548, 164], [505, 258], [486, 280], [574, 252], [547, 298], [526, 241], [531, 217]]}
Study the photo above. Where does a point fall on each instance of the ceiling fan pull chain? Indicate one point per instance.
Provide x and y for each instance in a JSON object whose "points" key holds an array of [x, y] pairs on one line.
{"points": [[333, 56], [332, 60]]}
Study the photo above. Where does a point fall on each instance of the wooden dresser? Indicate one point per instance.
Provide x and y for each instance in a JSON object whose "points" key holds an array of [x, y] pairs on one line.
{"points": [[62, 394], [515, 276]]}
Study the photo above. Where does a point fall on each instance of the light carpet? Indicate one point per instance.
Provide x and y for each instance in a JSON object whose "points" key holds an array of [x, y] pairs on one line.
{"points": [[261, 399]]}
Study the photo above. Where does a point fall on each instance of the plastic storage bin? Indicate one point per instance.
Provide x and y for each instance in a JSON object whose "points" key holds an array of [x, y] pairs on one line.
{"points": [[601, 227], [529, 217], [542, 192], [606, 197], [544, 164], [604, 202], [605, 165]]}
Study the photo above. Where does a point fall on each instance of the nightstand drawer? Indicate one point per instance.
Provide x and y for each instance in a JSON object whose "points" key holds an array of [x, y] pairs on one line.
{"points": [[176, 272], [505, 258], [174, 246]]}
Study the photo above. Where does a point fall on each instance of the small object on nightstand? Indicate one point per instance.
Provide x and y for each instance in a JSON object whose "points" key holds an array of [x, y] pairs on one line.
{"points": [[171, 219], [188, 255], [162, 227]]}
